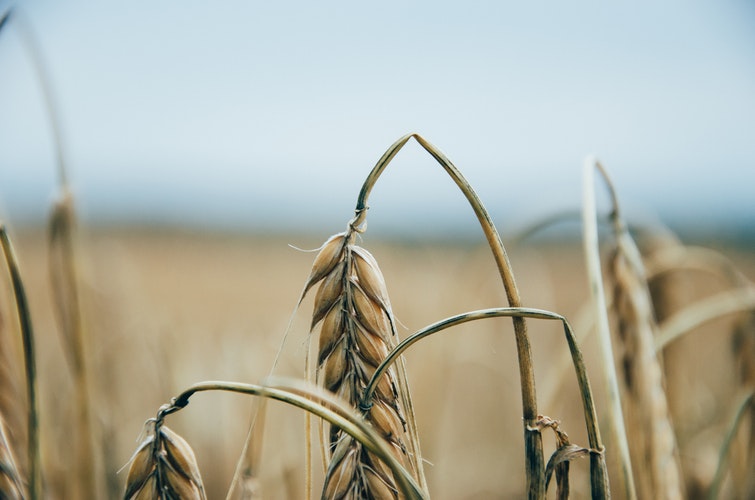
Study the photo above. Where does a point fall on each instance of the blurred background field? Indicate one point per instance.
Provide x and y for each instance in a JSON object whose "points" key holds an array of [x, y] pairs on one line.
{"points": [[166, 309]]}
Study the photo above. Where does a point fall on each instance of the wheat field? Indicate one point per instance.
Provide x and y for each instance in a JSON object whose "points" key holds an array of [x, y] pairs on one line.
{"points": [[617, 360], [164, 309]]}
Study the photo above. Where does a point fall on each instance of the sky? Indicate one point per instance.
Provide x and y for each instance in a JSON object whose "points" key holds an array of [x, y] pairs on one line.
{"points": [[269, 115]]}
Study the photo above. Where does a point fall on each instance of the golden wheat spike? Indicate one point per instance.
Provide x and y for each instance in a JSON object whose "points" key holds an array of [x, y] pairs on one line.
{"points": [[356, 331]]}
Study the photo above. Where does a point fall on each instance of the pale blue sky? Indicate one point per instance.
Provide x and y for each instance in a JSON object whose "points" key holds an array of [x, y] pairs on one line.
{"points": [[254, 114]]}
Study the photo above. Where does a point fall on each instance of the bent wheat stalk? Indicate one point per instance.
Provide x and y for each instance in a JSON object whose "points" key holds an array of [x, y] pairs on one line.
{"points": [[534, 466], [598, 470], [320, 403], [649, 423], [702, 311]]}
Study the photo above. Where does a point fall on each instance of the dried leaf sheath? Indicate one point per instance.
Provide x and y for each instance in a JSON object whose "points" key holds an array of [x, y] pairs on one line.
{"points": [[355, 321], [559, 461]]}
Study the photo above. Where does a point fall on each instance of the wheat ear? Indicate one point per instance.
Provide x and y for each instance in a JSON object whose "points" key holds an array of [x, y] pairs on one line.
{"points": [[356, 324], [164, 467], [740, 299], [649, 425]]}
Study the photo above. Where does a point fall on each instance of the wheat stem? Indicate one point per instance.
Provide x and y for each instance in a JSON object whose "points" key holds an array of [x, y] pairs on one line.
{"points": [[534, 463], [34, 51], [702, 311], [67, 305], [592, 258], [27, 332], [599, 474], [331, 409], [245, 477], [701, 259], [4, 16], [715, 487]]}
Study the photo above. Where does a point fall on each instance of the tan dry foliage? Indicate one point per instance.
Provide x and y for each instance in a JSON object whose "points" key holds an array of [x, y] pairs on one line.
{"points": [[357, 330], [164, 467], [744, 352], [649, 427], [154, 284], [11, 484], [65, 285]]}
